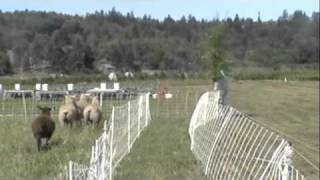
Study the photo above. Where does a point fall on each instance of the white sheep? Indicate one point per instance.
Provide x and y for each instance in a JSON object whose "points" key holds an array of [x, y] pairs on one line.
{"points": [[69, 112], [92, 113], [84, 100]]}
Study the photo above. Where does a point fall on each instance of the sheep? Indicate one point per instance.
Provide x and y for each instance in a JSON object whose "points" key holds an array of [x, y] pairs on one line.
{"points": [[69, 112], [43, 126], [92, 113], [84, 100]]}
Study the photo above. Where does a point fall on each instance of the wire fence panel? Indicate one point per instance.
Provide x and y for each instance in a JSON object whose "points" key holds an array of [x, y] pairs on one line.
{"points": [[119, 133], [229, 145]]}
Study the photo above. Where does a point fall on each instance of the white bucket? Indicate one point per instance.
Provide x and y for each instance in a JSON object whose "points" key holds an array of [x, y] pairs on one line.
{"points": [[116, 86], [70, 87], [17, 87], [154, 96], [103, 86], [38, 86], [168, 96], [44, 87]]}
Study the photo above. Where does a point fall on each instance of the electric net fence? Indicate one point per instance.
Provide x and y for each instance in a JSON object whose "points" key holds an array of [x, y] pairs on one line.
{"points": [[229, 145], [119, 134]]}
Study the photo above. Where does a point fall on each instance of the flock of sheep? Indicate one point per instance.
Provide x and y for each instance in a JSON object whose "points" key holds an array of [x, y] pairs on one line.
{"points": [[83, 109]]}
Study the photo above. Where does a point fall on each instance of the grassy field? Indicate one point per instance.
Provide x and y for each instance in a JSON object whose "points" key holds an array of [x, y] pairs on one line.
{"points": [[19, 158], [162, 151], [290, 109]]}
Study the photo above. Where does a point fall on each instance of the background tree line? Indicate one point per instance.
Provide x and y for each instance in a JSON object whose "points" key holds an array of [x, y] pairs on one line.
{"points": [[53, 42]]}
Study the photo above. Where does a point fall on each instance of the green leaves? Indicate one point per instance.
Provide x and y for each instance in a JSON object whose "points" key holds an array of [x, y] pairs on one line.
{"points": [[214, 52]]}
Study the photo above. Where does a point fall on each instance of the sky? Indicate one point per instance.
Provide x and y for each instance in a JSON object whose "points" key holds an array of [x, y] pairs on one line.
{"points": [[201, 9]]}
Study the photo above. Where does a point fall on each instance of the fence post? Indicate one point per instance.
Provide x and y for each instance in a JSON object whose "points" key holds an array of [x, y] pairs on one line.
{"points": [[103, 155], [129, 125], [158, 104], [92, 164], [186, 105], [111, 143], [139, 114], [101, 99], [146, 108], [70, 170], [2, 105], [96, 149], [24, 106], [176, 104]]}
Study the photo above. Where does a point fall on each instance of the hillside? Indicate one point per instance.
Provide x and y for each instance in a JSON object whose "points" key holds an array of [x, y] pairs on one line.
{"points": [[52, 42]]}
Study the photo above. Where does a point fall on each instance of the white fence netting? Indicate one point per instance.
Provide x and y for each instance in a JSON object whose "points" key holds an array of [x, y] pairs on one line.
{"points": [[119, 133], [231, 146]]}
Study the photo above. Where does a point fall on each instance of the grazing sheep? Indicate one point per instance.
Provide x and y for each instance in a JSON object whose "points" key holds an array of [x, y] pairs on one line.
{"points": [[69, 112], [43, 126], [92, 113], [85, 100]]}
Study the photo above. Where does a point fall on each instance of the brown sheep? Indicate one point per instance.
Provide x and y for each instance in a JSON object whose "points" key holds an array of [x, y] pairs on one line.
{"points": [[92, 113], [43, 126]]}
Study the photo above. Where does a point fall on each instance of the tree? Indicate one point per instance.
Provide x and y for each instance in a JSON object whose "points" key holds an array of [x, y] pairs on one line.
{"points": [[5, 66], [215, 52], [67, 43]]}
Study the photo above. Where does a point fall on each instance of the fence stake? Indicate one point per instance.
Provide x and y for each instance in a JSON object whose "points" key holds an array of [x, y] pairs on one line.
{"points": [[111, 144], [168, 107], [146, 108], [158, 102], [2, 108], [103, 155], [139, 114], [101, 98], [92, 161], [129, 126], [186, 105], [24, 106], [70, 170], [176, 104]]}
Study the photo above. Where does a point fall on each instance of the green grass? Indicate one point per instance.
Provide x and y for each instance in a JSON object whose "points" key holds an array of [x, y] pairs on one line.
{"points": [[19, 158], [264, 73], [291, 109], [162, 151]]}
